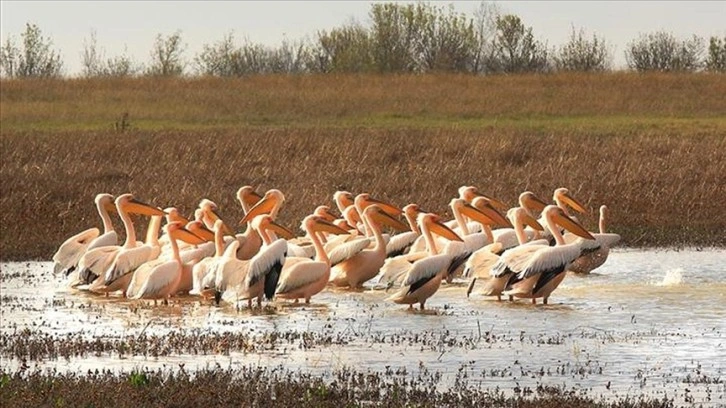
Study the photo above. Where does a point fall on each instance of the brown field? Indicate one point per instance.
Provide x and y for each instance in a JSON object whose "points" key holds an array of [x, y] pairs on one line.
{"points": [[652, 147]]}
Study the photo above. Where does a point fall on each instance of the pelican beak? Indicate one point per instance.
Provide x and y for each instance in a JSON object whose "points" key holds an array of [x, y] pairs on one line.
{"points": [[280, 230], [534, 204], [183, 234], [252, 198], [383, 217], [214, 216], [487, 214], [137, 207], [326, 226], [344, 224], [198, 229], [328, 215], [499, 205], [572, 202], [571, 225], [354, 216], [390, 209], [442, 230], [110, 207], [264, 206], [529, 220]]}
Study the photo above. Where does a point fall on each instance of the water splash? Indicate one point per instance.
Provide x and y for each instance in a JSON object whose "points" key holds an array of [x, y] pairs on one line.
{"points": [[672, 277]]}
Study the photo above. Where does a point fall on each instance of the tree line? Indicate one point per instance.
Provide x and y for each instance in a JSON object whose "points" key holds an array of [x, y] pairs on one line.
{"points": [[400, 38]]}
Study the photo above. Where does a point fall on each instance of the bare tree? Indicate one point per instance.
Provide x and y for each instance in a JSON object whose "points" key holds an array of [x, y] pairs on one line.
{"points": [[166, 56], [716, 60], [36, 58], [515, 48], [583, 54], [485, 27], [661, 51]]}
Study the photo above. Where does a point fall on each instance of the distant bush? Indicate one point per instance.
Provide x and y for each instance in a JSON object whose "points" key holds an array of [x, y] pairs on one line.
{"points": [[716, 60], [661, 51], [515, 50], [345, 49], [582, 54], [36, 59], [166, 56], [96, 65]]}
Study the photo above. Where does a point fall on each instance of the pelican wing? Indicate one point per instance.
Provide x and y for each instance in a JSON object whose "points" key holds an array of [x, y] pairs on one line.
{"points": [[71, 251], [395, 268], [548, 259], [301, 274], [265, 261], [348, 250], [129, 259], [480, 262], [107, 239], [302, 251], [426, 268], [399, 243], [158, 279], [514, 260], [201, 252]]}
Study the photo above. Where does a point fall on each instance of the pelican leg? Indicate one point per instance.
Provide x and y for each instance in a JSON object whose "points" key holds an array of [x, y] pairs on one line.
{"points": [[307, 301], [499, 298], [410, 306], [259, 302], [511, 298], [534, 301], [296, 301], [249, 303], [422, 305], [544, 301]]}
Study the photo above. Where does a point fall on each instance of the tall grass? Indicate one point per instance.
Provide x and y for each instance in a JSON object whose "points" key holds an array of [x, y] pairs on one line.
{"points": [[664, 189]]}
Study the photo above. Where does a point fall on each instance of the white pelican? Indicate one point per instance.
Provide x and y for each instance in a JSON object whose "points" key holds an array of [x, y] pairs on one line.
{"points": [[303, 246], [202, 276], [481, 261], [364, 265], [250, 241], [247, 197], [343, 200], [538, 269], [161, 280], [425, 275], [401, 243], [564, 200], [70, 252], [305, 278], [94, 263], [594, 253], [265, 267]]}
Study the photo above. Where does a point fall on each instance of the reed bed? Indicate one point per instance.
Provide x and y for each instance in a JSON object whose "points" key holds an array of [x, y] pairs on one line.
{"points": [[650, 146]]}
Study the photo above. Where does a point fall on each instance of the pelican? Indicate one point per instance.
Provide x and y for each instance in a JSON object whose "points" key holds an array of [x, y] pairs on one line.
{"points": [[401, 243], [564, 200], [365, 264], [247, 197], [118, 275], [70, 252], [596, 253], [250, 241], [343, 200], [161, 281], [481, 261], [537, 270], [94, 263], [265, 267], [425, 275], [305, 278], [507, 238], [202, 276], [303, 247]]}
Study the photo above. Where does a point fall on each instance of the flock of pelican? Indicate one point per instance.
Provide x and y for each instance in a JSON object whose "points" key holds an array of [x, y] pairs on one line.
{"points": [[522, 253]]}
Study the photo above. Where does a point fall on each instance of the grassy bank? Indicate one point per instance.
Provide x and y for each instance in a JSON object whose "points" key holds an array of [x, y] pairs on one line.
{"points": [[652, 147], [281, 388]]}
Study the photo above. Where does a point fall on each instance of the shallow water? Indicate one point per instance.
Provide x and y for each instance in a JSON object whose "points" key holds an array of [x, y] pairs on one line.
{"points": [[646, 323]]}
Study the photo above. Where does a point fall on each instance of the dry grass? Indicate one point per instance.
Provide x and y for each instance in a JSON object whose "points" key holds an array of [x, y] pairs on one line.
{"points": [[650, 146], [252, 387], [663, 189]]}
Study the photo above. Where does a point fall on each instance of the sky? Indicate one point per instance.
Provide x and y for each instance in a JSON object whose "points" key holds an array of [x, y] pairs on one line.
{"points": [[131, 26]]}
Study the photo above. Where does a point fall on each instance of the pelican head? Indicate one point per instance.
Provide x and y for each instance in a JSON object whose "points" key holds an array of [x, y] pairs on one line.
{"points": [[270, 203], [314, 223], [411, 212], [324, 211], [210, 212], [343, 200], [177, 231], [530, 202], [558, 216], [352, 217], [520, 216], [362, 201], [128, 203], [481, 209], [377, 214], [264, 222], [562, 195], [248, 197], [172, 215], [342, 223], [469, 193], [105, 201], [199, 229], [434, 224]]}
